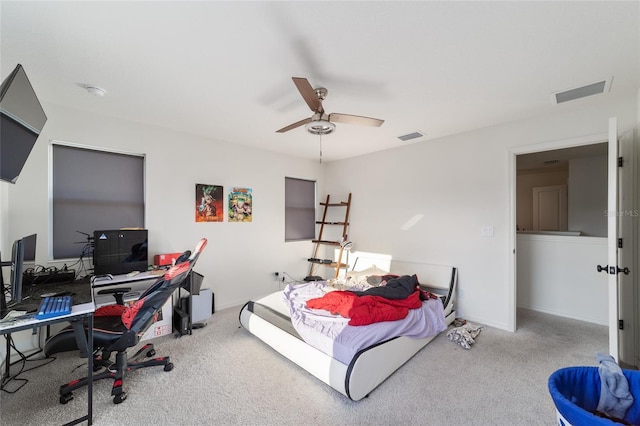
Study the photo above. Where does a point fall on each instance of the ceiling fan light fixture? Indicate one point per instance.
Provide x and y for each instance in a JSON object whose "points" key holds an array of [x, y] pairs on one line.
{"points": [[320, 127]]}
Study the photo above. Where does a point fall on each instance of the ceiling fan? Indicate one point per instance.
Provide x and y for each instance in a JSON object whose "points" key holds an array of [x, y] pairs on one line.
{"points": [[320, 123]]}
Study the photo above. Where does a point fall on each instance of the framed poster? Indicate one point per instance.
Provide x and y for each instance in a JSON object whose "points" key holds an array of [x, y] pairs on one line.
{"points": [[240, 205], [209, 203]]}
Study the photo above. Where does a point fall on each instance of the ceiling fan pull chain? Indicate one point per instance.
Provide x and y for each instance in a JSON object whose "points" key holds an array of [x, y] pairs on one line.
{"points": [[320, 149]]}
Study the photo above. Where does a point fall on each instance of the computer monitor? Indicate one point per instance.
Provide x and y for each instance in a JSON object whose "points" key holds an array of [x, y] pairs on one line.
{"points": [[23, 257], [120, 251]]}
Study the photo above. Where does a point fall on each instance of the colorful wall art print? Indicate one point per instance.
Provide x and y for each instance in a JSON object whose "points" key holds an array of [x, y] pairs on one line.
{"points": [[240, 205], [209, 206]]}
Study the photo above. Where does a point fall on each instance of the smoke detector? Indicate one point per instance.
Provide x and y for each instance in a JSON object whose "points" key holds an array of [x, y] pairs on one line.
{"points": [[95, 90]]}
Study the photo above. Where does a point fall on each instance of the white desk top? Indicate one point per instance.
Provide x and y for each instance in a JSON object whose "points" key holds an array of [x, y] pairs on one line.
{"points": [[103, 281], [27, 321]]}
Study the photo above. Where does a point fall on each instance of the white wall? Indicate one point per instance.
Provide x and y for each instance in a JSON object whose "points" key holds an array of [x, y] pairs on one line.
{"points": [[587, 196], [458, 185], [557, 275], [240, 258]]}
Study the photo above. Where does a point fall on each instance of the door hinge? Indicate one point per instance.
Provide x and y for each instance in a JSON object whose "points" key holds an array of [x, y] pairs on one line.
{"points": [[620, 324], [620, 161], [619, 242]]}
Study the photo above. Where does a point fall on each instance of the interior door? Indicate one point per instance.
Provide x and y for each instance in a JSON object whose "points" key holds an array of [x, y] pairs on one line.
{"points": [[550, 208], [628, 319], [612, 237], [620, 248]]}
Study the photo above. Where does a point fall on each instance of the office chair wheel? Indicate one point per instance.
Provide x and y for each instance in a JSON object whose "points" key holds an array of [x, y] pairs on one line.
{"points": [[168, 367], [66, 398], [151, 353], [119, 398]]}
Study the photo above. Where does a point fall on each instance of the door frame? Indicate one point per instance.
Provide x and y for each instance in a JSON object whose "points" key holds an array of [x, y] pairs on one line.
{"points": [[513, 153]]}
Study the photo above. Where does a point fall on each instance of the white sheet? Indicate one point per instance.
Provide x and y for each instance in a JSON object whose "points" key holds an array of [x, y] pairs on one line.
{"points": [[332, 335]]}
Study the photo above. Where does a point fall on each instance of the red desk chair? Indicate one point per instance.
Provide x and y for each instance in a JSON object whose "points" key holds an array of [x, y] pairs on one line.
{"points": [[118, 328]]}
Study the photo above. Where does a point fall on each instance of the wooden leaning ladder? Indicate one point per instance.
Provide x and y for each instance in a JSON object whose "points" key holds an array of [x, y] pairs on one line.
{"points": [[338, 265]]}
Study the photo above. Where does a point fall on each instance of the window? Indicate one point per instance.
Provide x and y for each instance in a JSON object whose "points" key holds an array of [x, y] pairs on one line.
{"points": [[93, 190], [299, 209]]}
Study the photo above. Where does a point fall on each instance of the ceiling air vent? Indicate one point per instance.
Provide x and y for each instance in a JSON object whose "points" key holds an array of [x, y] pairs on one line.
{"points": [[409, 136], [581, 92]]}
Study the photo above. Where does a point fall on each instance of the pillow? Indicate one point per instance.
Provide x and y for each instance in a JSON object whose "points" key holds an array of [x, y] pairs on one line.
{"points": [[376, 280], [372, 270], [373, 276]]}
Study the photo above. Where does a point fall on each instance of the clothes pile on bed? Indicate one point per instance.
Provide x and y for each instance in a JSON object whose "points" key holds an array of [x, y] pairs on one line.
{"points": [[342, 322], [388, 302]]}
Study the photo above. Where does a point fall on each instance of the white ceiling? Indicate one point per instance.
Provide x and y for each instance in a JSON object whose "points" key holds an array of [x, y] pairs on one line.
{"points": [[559, 158], [223, 69]]}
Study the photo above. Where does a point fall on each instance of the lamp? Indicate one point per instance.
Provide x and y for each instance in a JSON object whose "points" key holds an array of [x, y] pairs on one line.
{"points": [[347, 246]]}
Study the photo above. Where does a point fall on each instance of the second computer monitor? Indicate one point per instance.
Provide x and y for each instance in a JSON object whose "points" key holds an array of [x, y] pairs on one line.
{"points": [[120, 251]]}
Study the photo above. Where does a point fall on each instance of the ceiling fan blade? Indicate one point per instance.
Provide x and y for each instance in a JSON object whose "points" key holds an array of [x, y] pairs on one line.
{"points": [[294, 125], [355, 119], [308, 94]]}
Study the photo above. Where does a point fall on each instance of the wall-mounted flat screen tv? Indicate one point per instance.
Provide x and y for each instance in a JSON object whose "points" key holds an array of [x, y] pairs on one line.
{"points": [[21, 121]]}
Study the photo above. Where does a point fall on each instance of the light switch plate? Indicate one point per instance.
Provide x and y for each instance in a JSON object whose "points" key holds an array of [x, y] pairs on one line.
{"points": [[487, 231]]}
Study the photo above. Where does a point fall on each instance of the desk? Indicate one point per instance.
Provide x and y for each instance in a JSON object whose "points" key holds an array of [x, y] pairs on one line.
{"points": [[112, 280], [79, 311]]}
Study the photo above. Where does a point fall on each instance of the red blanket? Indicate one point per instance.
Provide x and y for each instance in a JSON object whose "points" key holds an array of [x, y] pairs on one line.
{"points": [[364, 310]]}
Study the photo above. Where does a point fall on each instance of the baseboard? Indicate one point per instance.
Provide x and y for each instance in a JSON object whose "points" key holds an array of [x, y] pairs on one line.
{"points": [[563, 315]]}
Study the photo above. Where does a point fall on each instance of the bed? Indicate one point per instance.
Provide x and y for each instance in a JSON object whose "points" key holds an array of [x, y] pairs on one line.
{"points": [[269, 319]]}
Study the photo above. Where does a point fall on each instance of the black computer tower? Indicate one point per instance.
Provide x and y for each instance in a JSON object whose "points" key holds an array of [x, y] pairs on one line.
{"points": [[180, 321]]}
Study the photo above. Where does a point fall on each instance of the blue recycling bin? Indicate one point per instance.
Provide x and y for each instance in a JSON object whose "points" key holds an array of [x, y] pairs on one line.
{"points": [[576, 392]]}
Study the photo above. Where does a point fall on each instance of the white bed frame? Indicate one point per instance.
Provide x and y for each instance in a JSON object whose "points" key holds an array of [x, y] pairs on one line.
{"points": [[370, 366]]}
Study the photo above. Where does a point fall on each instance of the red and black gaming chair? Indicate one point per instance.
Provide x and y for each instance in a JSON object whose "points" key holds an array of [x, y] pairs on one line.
{"points": [[118, 328]]}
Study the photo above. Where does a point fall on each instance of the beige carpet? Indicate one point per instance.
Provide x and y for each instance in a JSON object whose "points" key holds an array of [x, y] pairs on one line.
{"points": [[225, 376]]}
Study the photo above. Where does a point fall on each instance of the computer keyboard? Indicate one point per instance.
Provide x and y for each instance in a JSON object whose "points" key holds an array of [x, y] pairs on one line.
{"points": [[54, 307]]}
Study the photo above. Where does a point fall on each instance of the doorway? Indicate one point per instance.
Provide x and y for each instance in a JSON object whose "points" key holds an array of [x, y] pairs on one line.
{"points": [[628, 197], [539, 153], [565, 234]]}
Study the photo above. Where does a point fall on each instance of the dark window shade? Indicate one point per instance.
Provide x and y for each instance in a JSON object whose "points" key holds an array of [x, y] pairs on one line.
{"points": [[300, 209], [93, 190]]}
